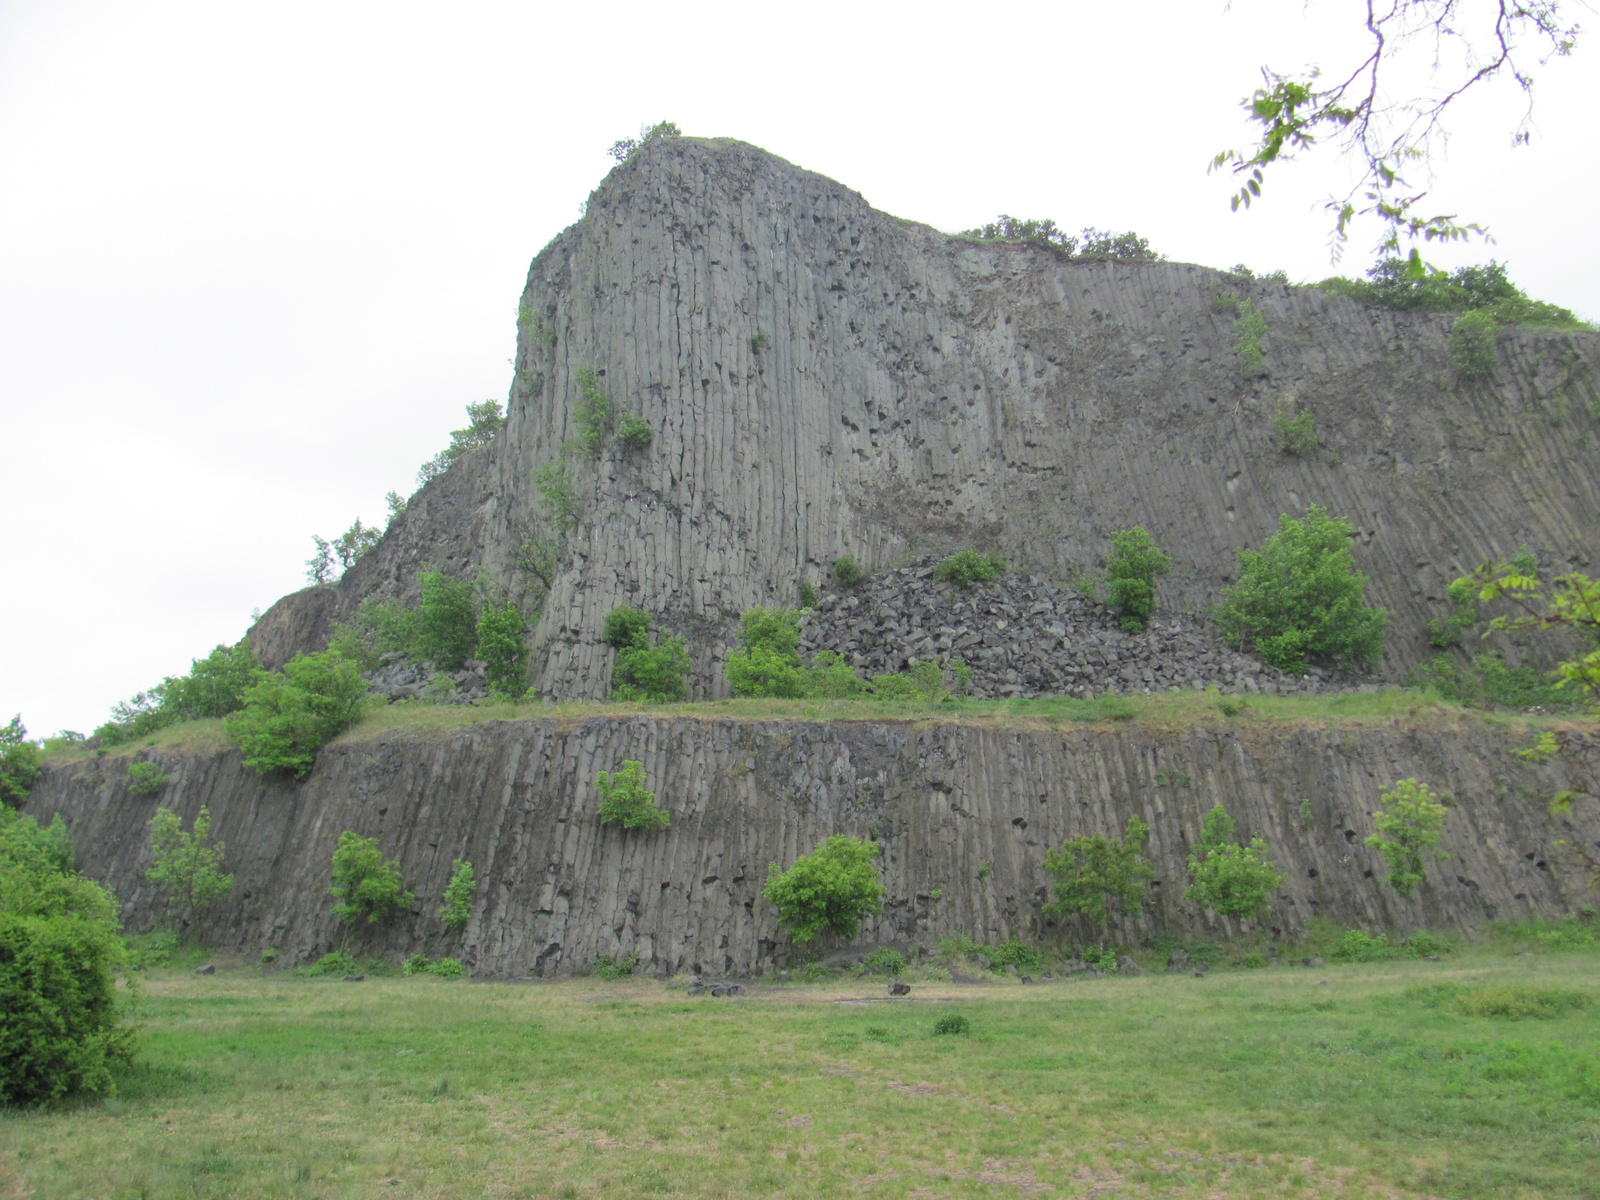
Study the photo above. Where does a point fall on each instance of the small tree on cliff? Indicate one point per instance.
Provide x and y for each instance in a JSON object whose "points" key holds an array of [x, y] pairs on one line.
{"points": [[830, 889], [184, 867], [1094, 872], [1229, 878], [287, 715], [1410, 824], [363, 883]]}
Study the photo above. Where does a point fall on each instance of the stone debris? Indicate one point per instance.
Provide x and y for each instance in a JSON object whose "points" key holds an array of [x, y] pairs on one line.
{"points": [[397, 679], [208, 969], [899, 989], [1023, 636]]}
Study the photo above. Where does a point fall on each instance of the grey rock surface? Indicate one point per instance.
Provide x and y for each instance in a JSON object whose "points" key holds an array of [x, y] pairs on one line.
{"points": [[821, 378], [559, 890]]}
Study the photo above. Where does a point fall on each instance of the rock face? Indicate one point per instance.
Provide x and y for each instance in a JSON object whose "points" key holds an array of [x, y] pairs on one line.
{"points": [[964, 815], [821, 378]]}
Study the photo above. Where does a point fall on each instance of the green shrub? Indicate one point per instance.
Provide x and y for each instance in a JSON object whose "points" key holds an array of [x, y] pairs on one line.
{"points": [[768, 661], [626, 627], [415, 964], [376, 628], [363, 884], [623, 798], [924, 683], [830, 677], [611, 969], [847, 572], [502, 649], [1131, 571], [1089, 244], [1569, 935], [336, 962], [184, 866], [1015, 953], [634, 433], [758, 342], [967, 567], [288, 715], [808, 594], [447, 621], [19, 762], [1471, 349], [1231, 879], [1521, 1001], [447, 968], [152, 950], [622, 149], [1390, 284], [1409, 828], [1423, 944], [886, 961], [146, 779], [830, 889], [61, 1028], [456, 910], [1356, 946], [594, 414], [1254, 960], [1297, 435], [951, 1023], [214, 687], [1092, 873], [1248, 331], [1486, 682], [1446, 631], [1299, 598]]}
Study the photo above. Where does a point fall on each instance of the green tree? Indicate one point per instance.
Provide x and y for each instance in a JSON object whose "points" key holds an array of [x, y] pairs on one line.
{"points": [[288, 714], [1471, 347], [184, 866], [447, 621], [61, 1029], [19, 762], [456, 910], [377, 628], [502, 648], [1299, 598], [1131, 572], [1229, 878], [484, 421], [594, 414], [1248, 330], [1093, 872], [364, 885], [641, 671], [1381, 128], [623, 798], [623, 148], [146, 779], [214, 686], [1409, 828], [830, 889], [768, 660]]}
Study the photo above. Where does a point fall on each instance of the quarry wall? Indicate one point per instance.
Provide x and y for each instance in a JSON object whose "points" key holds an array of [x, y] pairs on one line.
{"points": [[822, 378], [964, 815]]}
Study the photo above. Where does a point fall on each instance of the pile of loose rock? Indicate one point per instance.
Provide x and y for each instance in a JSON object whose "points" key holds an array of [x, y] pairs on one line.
{"points": [[1022, 636], [397, 679]]}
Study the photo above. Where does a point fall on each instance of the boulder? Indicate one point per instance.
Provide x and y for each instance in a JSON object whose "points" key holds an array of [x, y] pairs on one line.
{"points": [[208, 969], [899, 989]]}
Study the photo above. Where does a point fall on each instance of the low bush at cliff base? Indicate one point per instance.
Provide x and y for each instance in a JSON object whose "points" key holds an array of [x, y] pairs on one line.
{"points": [[61, 1029]]}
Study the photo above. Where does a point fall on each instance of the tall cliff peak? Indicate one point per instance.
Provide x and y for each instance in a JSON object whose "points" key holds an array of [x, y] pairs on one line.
{"points": [[821, 378]]}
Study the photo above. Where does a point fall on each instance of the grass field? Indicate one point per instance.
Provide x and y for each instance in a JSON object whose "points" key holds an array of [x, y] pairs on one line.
{"points": [[1395, 1079]]}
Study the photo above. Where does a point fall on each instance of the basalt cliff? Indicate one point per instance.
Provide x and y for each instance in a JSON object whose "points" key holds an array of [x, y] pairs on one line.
{"points": [[821, 378]]}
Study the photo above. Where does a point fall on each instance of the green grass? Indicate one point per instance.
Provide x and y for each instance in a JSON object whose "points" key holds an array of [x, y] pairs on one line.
{"points": [[1415, 707], [1265, 1083]]}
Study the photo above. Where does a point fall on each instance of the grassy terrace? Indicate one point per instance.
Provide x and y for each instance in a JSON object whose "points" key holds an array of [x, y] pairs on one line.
{"points": [[1386, 1080], [1173, 711]]}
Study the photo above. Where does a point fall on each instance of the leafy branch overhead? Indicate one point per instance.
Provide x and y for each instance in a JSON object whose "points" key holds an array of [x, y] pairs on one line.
{"points": [[1469, 45]]}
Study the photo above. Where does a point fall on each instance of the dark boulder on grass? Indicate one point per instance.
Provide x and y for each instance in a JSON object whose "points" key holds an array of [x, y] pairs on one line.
{"points": [[899, 989]]}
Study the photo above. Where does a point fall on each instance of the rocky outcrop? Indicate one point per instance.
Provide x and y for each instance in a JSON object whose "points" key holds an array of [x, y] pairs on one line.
{"points": [[964, 815], [1023, 636], [821, 378]]}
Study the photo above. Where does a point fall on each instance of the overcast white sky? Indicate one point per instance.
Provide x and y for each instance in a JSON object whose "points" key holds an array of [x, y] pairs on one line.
{"points": [[255, 258]]}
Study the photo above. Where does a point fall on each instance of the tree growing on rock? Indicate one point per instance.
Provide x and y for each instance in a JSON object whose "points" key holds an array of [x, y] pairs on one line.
{"points": [[1410, 824], [19, 762], [1131, 571], [828, 890], [185, 866], [1229, 878], [623, 797], [654, 674], [1299, 599], [1094, 873], [289, 714], [768, 661], [364, 885]]}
